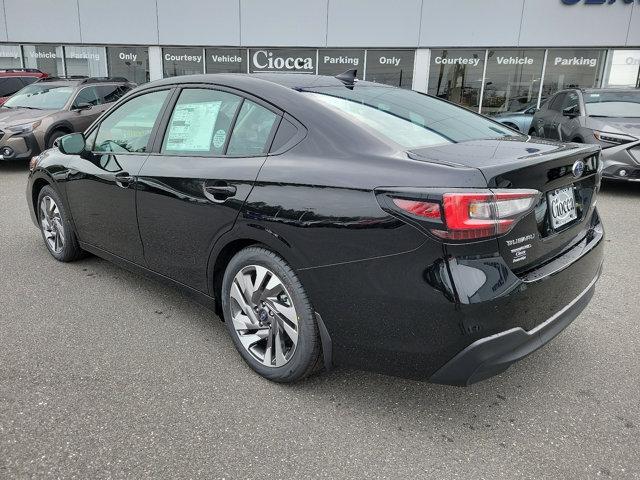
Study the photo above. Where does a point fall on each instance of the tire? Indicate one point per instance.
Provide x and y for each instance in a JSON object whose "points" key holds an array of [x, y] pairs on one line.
{"points": [[56, 134], [532, 133], [57, 232], [250, 265]]}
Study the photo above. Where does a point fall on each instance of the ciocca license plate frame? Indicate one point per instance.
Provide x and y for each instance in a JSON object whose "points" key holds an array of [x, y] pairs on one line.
{"points": [[562, 206]]}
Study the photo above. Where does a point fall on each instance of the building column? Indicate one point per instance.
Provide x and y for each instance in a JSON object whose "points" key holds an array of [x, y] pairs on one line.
{"points": [[155, 63], [421, 70]]}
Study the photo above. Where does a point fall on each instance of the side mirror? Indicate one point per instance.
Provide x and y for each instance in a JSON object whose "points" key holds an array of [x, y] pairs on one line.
{"points": [[72, 144], [571, 112], [531, 111], [82, 106]]}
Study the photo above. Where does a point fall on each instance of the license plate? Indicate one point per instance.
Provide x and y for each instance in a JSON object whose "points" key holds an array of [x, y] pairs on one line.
{"points": [[562, 206]]}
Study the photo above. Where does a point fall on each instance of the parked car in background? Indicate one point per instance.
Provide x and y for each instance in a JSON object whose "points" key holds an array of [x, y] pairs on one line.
{"points": [[519, 120], [330, 220], [606, 117], [14, 79], [34, 117]]}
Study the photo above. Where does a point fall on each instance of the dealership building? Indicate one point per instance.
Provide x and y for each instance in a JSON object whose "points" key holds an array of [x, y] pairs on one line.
{"points": [[488, 55]]}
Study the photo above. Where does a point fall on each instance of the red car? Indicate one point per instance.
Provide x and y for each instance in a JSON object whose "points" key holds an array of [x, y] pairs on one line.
{"points": [[14, 79]]}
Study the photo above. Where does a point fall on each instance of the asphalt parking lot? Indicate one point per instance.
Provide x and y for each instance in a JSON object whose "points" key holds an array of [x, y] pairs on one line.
{"points": [[104, 374]]}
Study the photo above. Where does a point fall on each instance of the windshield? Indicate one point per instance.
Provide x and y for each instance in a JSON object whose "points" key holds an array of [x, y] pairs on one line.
{"points": [[40, 96], [613, 104], [408, 118]]}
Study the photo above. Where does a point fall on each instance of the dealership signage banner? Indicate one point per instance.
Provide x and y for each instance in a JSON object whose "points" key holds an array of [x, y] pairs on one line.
{"points": [[226, 60], [334, 61], [299, 60]]}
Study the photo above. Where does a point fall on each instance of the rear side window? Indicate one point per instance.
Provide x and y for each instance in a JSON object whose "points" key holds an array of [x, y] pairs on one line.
{"points": [[252, 130], [128, 128], [111, 93], [10, 85], [200, 122]]}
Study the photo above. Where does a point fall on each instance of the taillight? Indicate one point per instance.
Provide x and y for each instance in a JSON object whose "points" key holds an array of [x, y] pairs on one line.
{"points": [[419, 208], [471, 215]]}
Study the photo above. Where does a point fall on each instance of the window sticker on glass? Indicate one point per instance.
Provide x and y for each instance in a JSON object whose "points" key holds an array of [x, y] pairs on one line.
{"points": [[219, 138], [191, 127]]}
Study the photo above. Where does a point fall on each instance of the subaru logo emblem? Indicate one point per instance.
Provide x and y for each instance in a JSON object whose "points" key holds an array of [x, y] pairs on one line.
{"points": [[578, 168]]}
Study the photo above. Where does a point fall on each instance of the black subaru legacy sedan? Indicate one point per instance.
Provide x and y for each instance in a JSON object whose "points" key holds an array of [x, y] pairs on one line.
{"points": [[331, 221]]}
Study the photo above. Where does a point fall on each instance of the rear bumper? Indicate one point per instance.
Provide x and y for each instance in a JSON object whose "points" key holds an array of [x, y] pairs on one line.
{"points": [[494, 354]]}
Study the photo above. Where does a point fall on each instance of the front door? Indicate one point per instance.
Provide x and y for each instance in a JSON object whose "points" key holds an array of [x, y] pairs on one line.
{"points": [[101, 184], [191, 192]]}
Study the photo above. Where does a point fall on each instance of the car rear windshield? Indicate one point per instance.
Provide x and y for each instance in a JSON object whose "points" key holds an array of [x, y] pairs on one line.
{"points": [[613, 104], [41, 96], [408, 118]]}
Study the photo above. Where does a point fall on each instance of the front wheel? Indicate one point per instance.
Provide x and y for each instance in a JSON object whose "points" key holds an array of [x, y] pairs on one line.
{"points": [[57, 232], [269, 316]]}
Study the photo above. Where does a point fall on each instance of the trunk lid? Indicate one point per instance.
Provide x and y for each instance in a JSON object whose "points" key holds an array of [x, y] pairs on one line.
{"points": [[521, 163]]}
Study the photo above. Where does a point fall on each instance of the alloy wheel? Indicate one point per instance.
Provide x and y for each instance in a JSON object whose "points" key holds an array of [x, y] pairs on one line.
{"points": [[51, 223], [264, 316]]}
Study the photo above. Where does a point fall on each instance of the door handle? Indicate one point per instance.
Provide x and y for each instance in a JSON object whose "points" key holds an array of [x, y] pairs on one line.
{"points": [[123, 179], [219, 193]]}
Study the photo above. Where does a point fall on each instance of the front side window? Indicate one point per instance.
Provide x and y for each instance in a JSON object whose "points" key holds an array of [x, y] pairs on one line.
{"points": [[252, 130], [571, 101], [613, 104], [88, 95], [41, 96], [557, 101], [128, 128], [200, 122], [408, 118]]}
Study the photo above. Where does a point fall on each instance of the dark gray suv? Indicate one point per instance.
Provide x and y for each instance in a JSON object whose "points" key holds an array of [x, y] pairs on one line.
{"points": [[606, 117]]}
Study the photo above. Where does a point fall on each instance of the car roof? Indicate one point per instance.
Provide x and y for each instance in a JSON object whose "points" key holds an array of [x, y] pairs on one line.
{"points": [[295, 81], [598, 90]]}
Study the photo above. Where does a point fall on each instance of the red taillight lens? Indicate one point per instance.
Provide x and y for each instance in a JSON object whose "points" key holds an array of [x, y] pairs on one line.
{"points": [[472, 216], [419, 208]]}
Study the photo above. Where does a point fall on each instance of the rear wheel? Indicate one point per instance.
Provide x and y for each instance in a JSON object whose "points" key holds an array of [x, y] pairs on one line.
{"points": [[269, 316], [57, 232]]}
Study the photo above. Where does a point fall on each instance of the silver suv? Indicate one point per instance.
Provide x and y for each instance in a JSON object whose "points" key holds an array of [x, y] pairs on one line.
{"points": [[606, 117]]}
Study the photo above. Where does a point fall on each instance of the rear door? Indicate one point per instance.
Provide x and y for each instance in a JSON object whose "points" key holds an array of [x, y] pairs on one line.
{"points": [[208, 155]]}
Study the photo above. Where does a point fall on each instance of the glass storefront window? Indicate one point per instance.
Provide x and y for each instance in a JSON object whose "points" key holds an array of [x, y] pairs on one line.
{"points": [[456, 75], [623, 69], [10, 56], [512, 82], [572, 68], [392, 67], [131, 63], [45, 58], [226, 60], [182, 61], [88, 61], [334, 61]]}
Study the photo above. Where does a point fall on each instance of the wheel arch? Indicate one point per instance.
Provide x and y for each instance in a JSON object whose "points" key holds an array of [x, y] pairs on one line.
{"points": [[38, 184], [64, 126]]}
